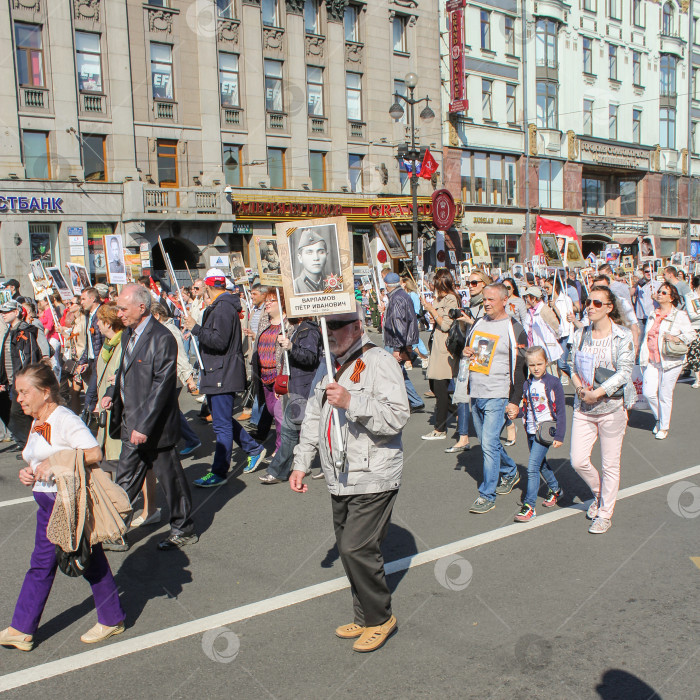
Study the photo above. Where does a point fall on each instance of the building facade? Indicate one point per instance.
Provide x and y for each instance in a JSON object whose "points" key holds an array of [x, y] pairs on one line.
{"points": [[203, 122], [579, 113]]}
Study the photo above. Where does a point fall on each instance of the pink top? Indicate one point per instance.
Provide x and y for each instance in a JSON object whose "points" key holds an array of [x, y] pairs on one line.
{"points": [[46, 319], [653, 338]]}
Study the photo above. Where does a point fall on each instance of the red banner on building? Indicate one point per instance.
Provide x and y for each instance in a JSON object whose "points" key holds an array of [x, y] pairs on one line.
{"points": [[458, 88]]}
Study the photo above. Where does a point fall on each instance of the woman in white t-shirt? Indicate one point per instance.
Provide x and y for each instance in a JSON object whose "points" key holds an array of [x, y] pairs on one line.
{"points": [[55, 428]]}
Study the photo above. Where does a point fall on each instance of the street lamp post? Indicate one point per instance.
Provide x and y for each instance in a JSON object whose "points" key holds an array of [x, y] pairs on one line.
{"points": [[413, 153]]}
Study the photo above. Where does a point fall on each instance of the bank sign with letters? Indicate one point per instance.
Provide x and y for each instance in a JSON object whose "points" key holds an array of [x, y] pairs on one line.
{"points": [[52, 205]]}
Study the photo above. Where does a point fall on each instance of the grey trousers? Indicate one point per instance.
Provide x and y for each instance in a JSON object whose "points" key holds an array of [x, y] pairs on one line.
{"points": [[361, 523]]}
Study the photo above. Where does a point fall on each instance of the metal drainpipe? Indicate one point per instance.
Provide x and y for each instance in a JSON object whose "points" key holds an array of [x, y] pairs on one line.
{"points": [[525, 128]]}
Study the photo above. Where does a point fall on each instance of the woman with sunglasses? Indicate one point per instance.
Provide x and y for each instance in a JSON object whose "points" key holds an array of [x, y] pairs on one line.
{"points": [[692, 307], [604, 348], [442, 367], [661, 369]]}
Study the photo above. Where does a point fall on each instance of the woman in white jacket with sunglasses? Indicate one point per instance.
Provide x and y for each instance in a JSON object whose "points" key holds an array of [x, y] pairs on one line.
{"points": [[661, 368]]}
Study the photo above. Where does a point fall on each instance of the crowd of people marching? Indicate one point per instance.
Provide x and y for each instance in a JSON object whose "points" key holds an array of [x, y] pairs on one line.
{"points": [[497, 357]]}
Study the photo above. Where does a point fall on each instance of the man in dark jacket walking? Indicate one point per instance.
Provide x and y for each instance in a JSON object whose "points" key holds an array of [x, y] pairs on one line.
{"points": [[19, 349], [304, 349], [401, 332], [223, 375]]}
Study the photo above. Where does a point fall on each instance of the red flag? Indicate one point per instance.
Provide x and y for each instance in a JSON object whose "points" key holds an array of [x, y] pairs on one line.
{"points": [[556, 228], [428, 166], [154, 289]]}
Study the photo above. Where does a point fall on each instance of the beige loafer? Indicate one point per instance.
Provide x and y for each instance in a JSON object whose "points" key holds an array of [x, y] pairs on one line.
{"points": [[101, 632], [23, 642], [350, 631], [374, 637]]}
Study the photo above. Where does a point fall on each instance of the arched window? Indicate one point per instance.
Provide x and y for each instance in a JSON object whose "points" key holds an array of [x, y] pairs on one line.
{"points": [[667, 26]]}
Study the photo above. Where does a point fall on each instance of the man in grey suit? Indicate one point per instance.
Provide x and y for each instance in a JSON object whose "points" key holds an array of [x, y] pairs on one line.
{"points": [[145, 413]]}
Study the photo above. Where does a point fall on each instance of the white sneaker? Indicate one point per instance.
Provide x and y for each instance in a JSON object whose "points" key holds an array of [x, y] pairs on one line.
{"points": [[434, 435], [592, 511], [424, 363], [662, 435], [201, 399], [600, 526], [656, 428], [695, 385]]}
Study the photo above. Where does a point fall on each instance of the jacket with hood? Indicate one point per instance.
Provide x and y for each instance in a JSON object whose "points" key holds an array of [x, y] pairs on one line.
{"points": [[219, 338]]}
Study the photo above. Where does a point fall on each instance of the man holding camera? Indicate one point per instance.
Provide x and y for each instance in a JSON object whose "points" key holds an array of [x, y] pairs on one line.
{"points": [[401, 332]]}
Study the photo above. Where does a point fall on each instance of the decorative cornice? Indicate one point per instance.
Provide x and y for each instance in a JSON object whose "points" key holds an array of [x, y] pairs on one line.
{"points": [[227, 31], [295, 7], [353, 54], [335, 10], [410, 4], [160, 21], [34, 5], [315, 45], [272, 38], [87, 10]]}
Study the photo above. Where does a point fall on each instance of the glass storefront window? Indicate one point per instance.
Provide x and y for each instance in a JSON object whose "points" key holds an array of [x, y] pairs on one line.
{"points": [[593, 191], [488, 179], [628, 197], [503, 246], [42, 244]]}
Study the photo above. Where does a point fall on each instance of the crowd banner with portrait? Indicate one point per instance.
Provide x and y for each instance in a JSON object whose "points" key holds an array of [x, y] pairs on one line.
{"points": [[318, 280], [370, 263], [479, 246], [238, 271], [391, 240], [59, 283], [114, 253], [269, 267], [44, 286], [647, 248], [317, 266], [484, 346], [38, 275], [573, 257], [550, 250]]}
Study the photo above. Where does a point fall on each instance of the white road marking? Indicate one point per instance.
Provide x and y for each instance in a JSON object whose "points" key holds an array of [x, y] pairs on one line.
{"points": [[15, 501], [262, 607]]}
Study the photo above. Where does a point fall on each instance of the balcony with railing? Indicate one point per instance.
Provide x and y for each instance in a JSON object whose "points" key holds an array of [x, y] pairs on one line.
{"points": [[671, 42], [35, 98], [232, 117], [276, 122], [356, 131], [166, 111], [166, 200], [318, 126], [93, 104]]}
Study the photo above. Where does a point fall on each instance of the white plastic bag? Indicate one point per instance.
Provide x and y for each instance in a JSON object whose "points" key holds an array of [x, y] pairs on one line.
{"points": [[637, 379], [461, 394]]}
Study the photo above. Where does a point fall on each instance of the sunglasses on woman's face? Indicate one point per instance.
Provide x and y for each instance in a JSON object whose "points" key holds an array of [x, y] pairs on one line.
{"points": [[475, 283], [597, 303], [664, 292]]}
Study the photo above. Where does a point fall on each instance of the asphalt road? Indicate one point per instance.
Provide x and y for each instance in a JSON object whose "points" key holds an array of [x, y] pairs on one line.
{"points": [[487, 609]]}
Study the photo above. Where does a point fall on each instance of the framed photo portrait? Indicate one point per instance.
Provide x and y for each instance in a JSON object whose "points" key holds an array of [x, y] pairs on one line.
{"points": [[38, 274], [479, 245], [114, 254], [518, 272], [269, 265], [484, 346], [59, 282], [573, 257], [390, 238], [677, 259], [317, 266], [237, 265], [550, 250], [647, 248]]}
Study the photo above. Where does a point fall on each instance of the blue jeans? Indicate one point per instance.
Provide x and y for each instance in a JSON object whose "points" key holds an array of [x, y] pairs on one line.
{"points": [[227, 430], [488, 416], [561, 362], [256, 411], [463, 418], [414, 400], [186, 433], [281, 464], [538, 464]]}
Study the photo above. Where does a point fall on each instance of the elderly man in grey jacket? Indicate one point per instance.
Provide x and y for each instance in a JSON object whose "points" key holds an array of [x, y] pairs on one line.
{"points": [[363, 473]]}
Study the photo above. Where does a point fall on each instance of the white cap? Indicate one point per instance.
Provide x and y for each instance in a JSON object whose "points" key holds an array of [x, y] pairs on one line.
{"points": [[214, 272]]}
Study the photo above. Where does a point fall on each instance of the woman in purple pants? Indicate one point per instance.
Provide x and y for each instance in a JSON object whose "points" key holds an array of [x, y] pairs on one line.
{"points": [[55, 428]]}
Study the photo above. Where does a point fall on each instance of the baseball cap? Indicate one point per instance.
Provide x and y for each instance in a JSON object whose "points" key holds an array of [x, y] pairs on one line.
{"points": [[392, 278], [9, 306], [215, 278], [12, 282], [533, 292]]}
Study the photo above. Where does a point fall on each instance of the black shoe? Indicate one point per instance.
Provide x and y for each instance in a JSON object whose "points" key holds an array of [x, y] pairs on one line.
{"points": [[119, 545], [177, 542], [418, 409]]}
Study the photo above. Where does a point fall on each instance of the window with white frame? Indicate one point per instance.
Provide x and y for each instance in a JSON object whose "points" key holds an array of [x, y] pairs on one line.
{"points": [[667, 127], [546, 43], [353, 96], [487, 100], [612, 61], [612, 122], [511, 106], [588, 117], [637, 68], [636, 126], [314, 90], [547, 117], [485, 20], [398, 26], [551, 184]]}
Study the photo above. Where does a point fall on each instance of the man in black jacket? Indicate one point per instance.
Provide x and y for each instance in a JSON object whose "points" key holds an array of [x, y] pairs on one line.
{"points": [[401, 332], [19, 349], [145, 413], [223, 375]]}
